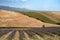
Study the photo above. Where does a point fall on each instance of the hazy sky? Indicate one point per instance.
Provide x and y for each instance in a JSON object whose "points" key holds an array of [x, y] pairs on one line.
{"points": [[47, 5]]}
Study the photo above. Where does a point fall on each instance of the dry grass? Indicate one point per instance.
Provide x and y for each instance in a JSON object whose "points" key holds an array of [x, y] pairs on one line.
{"points": [[56, 13], [50, 16], [12, 19]]}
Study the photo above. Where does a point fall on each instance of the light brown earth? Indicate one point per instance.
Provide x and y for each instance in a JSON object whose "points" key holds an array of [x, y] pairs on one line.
{"points": [[52, 16], [56, 13], [16, 37], [13, 19], [27, 36]]}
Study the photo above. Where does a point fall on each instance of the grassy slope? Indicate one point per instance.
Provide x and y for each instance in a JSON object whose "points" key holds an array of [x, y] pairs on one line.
{"points": [[39, 16], [52, 15]]}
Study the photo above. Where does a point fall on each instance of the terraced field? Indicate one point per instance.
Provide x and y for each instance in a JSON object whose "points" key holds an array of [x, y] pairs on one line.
{"points": [[45, 33]]}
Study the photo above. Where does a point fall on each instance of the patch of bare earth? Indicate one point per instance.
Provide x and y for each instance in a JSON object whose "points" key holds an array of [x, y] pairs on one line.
{"points": [[56, 13], [51, 16], [16, 37], [13, 19]]}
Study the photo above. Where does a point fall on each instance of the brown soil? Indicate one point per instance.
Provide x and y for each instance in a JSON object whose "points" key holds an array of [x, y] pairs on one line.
{"points": [[51, 16], [16, 37], [13, 19], [56, 13]]}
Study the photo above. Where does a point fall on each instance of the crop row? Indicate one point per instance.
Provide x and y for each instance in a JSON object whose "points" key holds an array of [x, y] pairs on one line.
{"points": [[31, 34]]}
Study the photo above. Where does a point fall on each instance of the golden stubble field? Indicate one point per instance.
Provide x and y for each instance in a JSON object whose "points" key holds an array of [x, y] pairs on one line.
{"points": [[13, 19]]}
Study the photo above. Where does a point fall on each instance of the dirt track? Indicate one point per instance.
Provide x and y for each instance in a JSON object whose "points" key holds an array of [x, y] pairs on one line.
{"points": [[13, 19]]}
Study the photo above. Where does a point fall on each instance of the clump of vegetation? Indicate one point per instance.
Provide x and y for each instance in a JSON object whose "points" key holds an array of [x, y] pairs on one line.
{"points": [[58, 23]]}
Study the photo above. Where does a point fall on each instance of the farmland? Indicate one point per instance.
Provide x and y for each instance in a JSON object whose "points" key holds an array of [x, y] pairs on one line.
{"points": [[29, 26], [20, 19], [30, 34], [48, 17]]}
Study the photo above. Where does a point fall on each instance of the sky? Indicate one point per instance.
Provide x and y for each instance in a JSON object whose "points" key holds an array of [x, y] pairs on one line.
{"points": [[42, 5]]}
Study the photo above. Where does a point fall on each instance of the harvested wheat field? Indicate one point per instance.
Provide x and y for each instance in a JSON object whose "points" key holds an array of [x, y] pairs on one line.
{"points": [[13, 19]]}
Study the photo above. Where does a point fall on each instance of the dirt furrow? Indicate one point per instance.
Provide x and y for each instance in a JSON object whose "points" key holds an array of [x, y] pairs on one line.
{"points": [[16, 37], [4, 37], [27, 37]]}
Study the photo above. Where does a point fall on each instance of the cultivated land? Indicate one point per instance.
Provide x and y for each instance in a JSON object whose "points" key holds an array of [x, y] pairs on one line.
{"points": [[29, 26], [13, 19], [48, 17], [31, 34]]}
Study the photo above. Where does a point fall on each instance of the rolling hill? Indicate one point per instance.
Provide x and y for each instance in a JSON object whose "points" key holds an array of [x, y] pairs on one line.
{"points": [[24, 24], [13, 19], [26, 17], [48, 17]]}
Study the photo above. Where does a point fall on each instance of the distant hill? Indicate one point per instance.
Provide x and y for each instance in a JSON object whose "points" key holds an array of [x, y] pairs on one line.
{"points": [[13, 8]]}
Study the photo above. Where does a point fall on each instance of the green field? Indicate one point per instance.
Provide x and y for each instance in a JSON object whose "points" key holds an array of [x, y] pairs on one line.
{"points": [[40, 17]]}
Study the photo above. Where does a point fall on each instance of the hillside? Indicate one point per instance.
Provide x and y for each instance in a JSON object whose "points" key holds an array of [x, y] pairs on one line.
{"points": [[13, 19], [52, 16], [47, 17], [56, 13]]}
